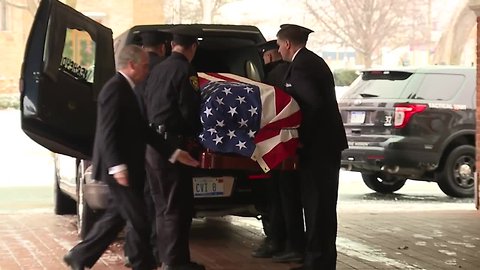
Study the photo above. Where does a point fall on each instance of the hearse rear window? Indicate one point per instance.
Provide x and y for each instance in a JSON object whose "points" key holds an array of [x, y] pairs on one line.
{"points": [[78, 57]]}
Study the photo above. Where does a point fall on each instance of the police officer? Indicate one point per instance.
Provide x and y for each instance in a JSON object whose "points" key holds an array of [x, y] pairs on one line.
{"points": [[285, 241], [155, 44], [274, 66], [173, 106]]}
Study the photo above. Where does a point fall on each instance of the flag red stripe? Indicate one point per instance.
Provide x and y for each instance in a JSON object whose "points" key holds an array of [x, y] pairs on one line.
{"points": [[290, 121], [280, 152], [265, 134], [273, 129], [202, 81], [282, 99]]}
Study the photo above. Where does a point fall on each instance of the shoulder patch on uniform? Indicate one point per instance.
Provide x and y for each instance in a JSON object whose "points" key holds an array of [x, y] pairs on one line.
{"points": [[194, 82]]}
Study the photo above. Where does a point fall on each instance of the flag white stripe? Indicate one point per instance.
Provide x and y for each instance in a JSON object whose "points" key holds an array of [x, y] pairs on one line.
{"points": [[208, 77], [266, 146], [291, 108], [245, 80], [268, 107]]}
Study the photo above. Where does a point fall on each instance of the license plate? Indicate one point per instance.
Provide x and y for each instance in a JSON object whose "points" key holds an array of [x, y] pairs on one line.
{"points": [[210, 186], [357, 117]]}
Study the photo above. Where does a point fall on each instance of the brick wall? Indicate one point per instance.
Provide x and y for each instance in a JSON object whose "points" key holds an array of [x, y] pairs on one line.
{"points": [[12, 43], [148, 11], [121, 15], [477, 140], [117, 15], [475, 6]]}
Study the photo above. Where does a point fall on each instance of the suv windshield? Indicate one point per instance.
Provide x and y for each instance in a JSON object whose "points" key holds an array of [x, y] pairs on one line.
{"points": [[405, 85], [379, 84]]}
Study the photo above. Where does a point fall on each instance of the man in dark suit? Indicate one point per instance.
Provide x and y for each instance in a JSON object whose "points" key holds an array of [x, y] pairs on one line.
{"points": [[155, 44], [118, 159], [283, 225], [173, 106], [322, 136]]}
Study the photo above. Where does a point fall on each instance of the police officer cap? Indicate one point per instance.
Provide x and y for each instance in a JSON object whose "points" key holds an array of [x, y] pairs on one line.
{"points": [[269, 45], [294, 32], [186, 35], [297, 28], [154, 38]]}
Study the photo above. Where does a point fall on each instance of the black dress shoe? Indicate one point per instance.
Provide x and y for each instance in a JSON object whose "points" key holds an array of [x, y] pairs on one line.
{"points": [[74, 264], [128, 264], [288, 256], [187, 266], [266, 250]]}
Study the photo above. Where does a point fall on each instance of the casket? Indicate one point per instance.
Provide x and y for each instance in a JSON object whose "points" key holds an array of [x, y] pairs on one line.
{"points": [[247, 124]]}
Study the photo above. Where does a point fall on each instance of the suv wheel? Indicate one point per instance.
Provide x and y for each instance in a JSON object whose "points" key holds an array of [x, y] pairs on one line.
{"points": [[85, 215], [383, 183], [63, 204], [456, 178]]}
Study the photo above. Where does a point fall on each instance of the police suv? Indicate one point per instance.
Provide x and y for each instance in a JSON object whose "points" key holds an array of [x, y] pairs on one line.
{"points": [[413, 123]]}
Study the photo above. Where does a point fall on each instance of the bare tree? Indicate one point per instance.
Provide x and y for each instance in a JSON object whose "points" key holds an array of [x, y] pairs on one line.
{"points": [[366, 25], [195, 11], [210, 9], [451, 45]]}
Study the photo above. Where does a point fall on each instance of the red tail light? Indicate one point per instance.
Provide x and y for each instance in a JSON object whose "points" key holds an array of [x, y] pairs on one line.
{"points": [[403, 113], [259, 176]]}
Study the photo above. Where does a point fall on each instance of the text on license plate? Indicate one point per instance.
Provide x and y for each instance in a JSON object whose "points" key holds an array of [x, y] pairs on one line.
{"points": [[357, 117], [209, 186]]}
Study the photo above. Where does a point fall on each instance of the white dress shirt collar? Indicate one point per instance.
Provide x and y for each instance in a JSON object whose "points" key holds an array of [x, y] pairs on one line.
{"points": [[132, 84], [295, 54]]}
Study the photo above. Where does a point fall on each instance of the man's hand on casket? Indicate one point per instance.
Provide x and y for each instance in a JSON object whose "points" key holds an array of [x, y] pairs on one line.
{"points": [[185, 158]]}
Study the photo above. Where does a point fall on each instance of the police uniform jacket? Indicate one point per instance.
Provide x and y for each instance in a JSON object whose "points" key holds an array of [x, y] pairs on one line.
{"points": [[310, 82], [153, 60], [275, 73], [173, 97]]}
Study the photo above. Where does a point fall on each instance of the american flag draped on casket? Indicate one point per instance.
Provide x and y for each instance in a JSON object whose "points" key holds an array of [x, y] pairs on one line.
{"points": [[249, 118]]}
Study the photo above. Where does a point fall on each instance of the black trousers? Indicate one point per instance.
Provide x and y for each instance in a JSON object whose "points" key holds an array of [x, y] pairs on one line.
{"points": [[150, 210], [171, 187], [319, 183], [126, 204], [286, 216]]}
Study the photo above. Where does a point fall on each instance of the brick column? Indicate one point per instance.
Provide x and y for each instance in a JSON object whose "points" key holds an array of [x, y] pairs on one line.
{"points": [[475, 6]]}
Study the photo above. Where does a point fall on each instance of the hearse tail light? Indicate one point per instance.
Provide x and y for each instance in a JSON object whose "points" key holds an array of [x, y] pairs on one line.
{"points": [[403, 113], [259, 176]]}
